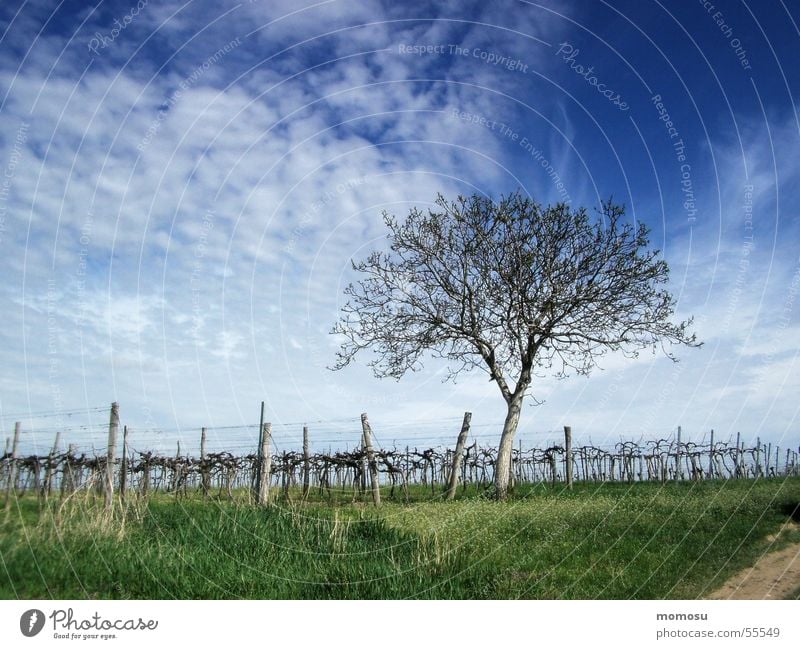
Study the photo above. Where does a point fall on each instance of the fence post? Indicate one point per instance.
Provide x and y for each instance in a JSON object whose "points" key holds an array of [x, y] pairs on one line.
{"points": [[737, 459], [12, 469], [373, 465], [68, 473], [259, 449], [306, 463], [678, 457], [203, 469], [48, 474], [758, 456], [4, 465], [285, 476], [769, 460], [113, 426], [711, 457], [123, 470], [568, 444], [458, 457], [265, 465]]}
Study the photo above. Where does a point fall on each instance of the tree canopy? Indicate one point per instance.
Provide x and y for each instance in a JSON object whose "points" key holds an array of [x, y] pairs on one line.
{"points": [[513, 288]]}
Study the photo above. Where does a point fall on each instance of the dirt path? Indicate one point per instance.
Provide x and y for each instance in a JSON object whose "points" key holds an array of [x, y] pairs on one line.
{"points": [[776, 575]]}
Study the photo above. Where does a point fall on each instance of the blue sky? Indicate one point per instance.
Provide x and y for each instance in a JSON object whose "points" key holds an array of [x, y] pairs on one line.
{"points": [[185, 184]]}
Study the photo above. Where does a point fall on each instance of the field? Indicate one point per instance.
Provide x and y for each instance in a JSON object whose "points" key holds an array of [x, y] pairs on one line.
{"points": [[611, 541]]}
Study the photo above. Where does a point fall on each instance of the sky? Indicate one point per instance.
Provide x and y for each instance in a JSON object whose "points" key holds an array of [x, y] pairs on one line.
{"points": [[183, 186]]}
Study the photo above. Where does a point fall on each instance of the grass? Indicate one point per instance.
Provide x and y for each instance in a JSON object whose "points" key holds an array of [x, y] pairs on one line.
{"points": [[611, 541], [615, 541], [201, 550]]}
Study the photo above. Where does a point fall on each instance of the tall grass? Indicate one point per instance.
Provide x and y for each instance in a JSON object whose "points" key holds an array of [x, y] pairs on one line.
{"points": [[209, 550], [612, 541]]}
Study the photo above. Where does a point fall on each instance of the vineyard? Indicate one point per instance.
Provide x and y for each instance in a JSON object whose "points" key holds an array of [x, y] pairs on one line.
{"points": [[99, 520], [395, 469]]}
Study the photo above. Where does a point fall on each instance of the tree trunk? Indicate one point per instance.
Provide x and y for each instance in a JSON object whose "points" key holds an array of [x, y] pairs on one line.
{"points": [[503, 466]]}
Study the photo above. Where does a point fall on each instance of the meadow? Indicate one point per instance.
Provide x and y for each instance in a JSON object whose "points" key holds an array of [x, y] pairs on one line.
{"points": [[644, 540]]}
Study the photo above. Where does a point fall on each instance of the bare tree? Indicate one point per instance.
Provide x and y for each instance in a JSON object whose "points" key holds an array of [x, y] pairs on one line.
{"points": [[513, 288]]}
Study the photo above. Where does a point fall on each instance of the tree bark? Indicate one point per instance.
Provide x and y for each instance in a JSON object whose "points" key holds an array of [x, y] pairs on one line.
{"points": [[503, 466]]}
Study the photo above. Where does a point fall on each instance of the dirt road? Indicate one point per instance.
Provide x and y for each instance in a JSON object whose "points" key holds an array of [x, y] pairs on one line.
{"points": [[776, 575]]}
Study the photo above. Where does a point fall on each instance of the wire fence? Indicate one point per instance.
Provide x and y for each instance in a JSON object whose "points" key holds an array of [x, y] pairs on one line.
{"points": [[223, 472]]}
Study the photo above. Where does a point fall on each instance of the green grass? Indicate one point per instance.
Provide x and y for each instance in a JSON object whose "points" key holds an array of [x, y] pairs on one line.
{"points": [[615, 541], [612, 541], [201, 550]]}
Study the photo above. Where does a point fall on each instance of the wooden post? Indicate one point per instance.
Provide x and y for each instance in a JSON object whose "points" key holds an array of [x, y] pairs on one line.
{"points": [[711, 457], [259, 449], [373, 465], [68, 476], [4, 468], [737, 468], [769, 460], [123, 469], [265, 465], [306, 463], [33, 476], [113, 426], [12, 469], [758, 456], [406, 473], [145, 482], [458, 457], [678, 457], [363, 468], [204, 483], [568, 446], [48, 474], [285, 474]]}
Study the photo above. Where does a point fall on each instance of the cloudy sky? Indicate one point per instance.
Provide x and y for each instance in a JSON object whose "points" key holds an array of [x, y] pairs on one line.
{"points": [[184, 185]]}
